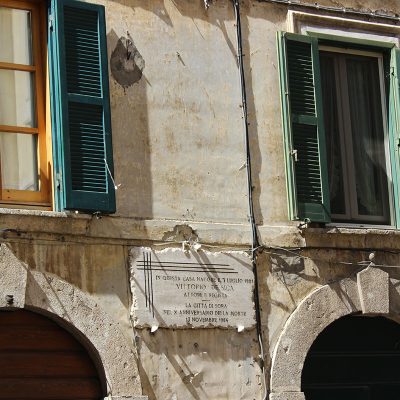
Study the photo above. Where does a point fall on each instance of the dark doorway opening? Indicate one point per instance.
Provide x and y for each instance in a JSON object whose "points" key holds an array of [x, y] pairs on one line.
{"points": [[354, 358], [39, 359]]}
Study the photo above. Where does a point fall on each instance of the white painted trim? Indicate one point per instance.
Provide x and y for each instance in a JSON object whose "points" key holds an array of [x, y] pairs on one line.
{"points": [[301, 22], [310, 30]]}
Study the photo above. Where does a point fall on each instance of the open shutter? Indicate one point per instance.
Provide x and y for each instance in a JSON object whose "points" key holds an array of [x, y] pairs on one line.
{"points": [[80, 107], [394, 127], [305, 151]]}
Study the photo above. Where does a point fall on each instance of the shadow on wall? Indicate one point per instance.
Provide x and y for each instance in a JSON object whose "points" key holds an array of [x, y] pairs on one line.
{"points": [[130, 126], [186, 363], [219, 14]]}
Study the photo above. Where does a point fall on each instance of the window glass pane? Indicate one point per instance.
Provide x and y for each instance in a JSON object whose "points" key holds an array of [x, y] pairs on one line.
{"points": [[367, 135], [16, 36], [19, 163], [17, 104], [332, 135]]}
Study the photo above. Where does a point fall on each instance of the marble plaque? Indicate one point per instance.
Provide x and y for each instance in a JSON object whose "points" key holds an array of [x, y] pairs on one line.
{"points": [[176, 288]]}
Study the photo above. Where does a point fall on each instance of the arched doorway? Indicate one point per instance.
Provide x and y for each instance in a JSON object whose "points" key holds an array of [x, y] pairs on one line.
{"points": [[41, 360], [355, 358]]}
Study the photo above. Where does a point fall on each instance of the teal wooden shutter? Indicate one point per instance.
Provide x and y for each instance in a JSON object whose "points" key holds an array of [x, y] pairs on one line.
{"points": [[394, 127], [305, 150], [81, 122]]}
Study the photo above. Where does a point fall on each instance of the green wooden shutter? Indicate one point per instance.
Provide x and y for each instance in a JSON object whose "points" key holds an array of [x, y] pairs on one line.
{"points": [[80, 106], [305, 151], [394, 127]]}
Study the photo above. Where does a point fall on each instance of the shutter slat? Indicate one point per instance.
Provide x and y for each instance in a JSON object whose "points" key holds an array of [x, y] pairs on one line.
{"points": [[82, 159], [79, 59]]}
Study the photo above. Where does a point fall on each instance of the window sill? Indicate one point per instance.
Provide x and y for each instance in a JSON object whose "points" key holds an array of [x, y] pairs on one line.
{"points": [[38, 224], [344, 225], [352, 237], [41, 213]]}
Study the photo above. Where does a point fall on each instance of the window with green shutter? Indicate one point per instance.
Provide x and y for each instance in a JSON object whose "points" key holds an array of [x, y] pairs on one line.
{"points": [[341, 124], [81, 124]]}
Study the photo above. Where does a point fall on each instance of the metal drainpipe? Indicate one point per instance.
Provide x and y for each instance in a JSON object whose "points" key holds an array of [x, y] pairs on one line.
{"points": [[255, 242]]}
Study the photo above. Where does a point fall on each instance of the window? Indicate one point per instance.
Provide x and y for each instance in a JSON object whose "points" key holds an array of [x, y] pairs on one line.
{"points": [[72, 61], [23, 156], [354, 120], [340, 121]]}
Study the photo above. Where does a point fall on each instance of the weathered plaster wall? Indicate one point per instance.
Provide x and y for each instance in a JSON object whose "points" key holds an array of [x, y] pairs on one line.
{"points": [[173, 363], [286, 279], [200, 364], [179, 153], [178, 142], [178, 130], [97, 269]]}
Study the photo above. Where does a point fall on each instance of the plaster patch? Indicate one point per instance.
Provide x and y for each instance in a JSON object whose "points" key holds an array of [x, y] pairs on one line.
{"points": [[175, 288], [126, 62]]}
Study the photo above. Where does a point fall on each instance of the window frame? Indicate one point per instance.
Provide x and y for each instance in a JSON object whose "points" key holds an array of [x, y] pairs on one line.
{"points": [[42, 197], [76, 166], [350, 179], [372, 41]]}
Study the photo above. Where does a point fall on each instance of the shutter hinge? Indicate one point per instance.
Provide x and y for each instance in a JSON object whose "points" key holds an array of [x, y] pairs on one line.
{"points": [[294, 155], [51, 22]]}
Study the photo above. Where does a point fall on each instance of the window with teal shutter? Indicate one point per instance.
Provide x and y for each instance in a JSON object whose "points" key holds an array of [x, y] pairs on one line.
{"points": [[303, 128], [81, 124], [341, 120], [394, 126]]}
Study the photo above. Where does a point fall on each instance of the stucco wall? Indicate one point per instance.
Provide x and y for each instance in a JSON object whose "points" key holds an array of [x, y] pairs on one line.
{"points": [[179, 157]]}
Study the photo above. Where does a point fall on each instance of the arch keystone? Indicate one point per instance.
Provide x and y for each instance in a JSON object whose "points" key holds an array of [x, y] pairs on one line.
{"points": [[373, 289]]}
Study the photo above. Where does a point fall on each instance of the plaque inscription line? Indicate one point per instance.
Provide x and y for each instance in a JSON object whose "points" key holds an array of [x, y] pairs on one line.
{"points": [[148, 266], [148, 281]]}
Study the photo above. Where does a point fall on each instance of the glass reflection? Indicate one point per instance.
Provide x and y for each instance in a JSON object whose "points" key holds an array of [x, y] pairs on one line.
{"points": [[16, 36], [19, 161], [17, 104]]}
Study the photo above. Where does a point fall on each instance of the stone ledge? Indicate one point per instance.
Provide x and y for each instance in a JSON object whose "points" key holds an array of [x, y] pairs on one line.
{"points": [[352, 238], [287, 396], [16, 223], [126, 398]]}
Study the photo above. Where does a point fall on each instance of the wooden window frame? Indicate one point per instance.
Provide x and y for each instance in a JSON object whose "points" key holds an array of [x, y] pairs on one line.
{"points": [[38, 67]]}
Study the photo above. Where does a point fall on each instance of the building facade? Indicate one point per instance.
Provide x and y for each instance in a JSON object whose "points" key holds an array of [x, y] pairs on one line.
{"points": [[203, 284]]}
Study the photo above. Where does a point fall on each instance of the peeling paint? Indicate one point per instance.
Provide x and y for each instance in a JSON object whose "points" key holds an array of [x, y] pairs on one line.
{"points": [[181, 233]]}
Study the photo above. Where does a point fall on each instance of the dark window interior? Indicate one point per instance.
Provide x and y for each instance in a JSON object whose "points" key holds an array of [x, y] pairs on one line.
{"points": [[355, 358]]}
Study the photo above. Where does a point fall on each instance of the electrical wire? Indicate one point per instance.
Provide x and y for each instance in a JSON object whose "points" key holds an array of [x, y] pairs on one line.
{"points": [[255, 242], [272, 250]]}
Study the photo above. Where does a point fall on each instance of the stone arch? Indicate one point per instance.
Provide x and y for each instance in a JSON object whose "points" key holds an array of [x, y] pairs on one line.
{"points": [[370, 292], [45, 293]]}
